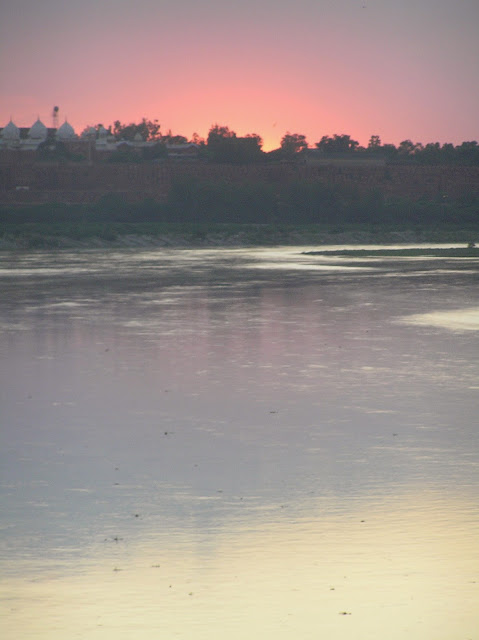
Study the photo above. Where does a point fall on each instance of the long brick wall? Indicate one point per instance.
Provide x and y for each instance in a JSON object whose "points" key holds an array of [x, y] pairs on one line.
{"points": [[32, 183]]}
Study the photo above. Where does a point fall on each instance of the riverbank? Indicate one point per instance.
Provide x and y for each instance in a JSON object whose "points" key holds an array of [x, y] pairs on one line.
{"points": [[434, 252], [29, 236]]}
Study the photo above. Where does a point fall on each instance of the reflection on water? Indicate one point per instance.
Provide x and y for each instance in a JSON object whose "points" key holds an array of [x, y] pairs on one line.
{"points": [[458, 320], [365, 574], [222, 443]]}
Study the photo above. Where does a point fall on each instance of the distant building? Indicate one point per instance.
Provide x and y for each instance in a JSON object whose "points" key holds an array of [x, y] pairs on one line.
{"points": [[91, 144], [66, 132], [185, 151], [29, 139]]}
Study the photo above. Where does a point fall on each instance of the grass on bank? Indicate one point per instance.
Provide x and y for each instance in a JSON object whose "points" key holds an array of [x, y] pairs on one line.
{"points": [[44, 235], [456, 252]]}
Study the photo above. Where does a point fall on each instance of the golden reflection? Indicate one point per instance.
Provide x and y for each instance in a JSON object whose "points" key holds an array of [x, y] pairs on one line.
{"points": [[455, 320], [407, 568]]}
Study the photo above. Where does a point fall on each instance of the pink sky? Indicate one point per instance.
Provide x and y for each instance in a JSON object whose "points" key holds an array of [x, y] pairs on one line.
{"points": [[396, 68]]}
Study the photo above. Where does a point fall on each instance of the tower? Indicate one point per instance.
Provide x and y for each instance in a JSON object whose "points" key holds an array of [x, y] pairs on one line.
{"points": [[55, 111]]}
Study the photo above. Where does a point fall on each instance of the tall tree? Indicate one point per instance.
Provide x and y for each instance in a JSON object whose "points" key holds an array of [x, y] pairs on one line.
{"points": [[148, 129], [225, 146], [293, 143], [374, 143]]}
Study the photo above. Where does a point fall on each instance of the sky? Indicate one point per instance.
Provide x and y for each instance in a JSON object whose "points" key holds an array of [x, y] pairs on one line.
{"points": [[400, 69]]}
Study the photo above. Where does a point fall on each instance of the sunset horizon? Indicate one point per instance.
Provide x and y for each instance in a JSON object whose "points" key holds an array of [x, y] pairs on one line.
{"points": [[240, 376], [318, 68], [270, 143]]}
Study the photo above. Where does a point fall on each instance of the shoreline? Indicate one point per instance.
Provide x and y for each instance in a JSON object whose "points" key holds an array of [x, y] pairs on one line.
{"points": [[43, 237]]}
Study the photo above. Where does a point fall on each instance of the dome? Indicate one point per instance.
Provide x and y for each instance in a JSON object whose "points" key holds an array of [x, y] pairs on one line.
{"points": [[38, 130], [89, 133], [66, 131], [138, 137], [11, 132], [102, 132]]}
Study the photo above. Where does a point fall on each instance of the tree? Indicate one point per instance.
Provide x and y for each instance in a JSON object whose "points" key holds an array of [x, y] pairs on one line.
{"points": [[219, 143], [408, 148], [430, 154], [225, 146], [389, 150], [246, 150], [468, 152], [337, 144], [374, 143], [197, 139], [257, 138], [148, 129], [292, 144], [169, 138], [325, 144], [217, 134], [448, 153]]}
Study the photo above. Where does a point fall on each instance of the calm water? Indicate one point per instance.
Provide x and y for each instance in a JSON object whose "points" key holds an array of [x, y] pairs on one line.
{"points": [[230, 444]]}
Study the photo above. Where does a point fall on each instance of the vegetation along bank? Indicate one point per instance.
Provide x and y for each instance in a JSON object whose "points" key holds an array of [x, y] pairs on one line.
{"points": [[202, 214]]}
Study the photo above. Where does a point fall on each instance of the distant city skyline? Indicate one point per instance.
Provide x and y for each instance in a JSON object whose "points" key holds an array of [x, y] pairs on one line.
{"points": [[317, 67]]}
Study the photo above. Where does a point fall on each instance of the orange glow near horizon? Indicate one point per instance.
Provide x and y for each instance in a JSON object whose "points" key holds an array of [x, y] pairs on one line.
{"points": [[267, 68]]}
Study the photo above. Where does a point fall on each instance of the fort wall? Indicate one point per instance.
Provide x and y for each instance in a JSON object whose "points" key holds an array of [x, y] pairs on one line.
{"points": [[22, 182]]}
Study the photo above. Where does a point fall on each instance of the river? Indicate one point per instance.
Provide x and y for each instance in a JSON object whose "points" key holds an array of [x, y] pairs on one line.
{"points": [[218, 444]]}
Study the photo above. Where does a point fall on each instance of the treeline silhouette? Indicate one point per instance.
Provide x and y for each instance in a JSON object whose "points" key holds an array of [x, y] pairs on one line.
{"points": [[224, 145]]}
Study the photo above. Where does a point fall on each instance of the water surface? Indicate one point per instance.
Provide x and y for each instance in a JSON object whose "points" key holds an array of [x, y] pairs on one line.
{"points": [[230, 443]]}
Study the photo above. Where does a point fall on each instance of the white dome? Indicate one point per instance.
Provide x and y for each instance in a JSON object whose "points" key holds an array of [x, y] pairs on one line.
{"points": [[38, 130], [66, 131], [11, 132], [102, 132], [138, 137], [89, 133]]}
